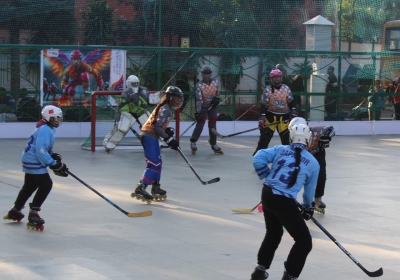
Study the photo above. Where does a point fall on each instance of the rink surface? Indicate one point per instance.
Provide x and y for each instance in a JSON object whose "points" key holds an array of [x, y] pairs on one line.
{"points": [[194, 234]]}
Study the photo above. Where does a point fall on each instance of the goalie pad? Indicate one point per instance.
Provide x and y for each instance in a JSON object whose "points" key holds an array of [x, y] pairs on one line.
{"points": [[119, 131], [155, 98], [143, 118], [125, 122]]}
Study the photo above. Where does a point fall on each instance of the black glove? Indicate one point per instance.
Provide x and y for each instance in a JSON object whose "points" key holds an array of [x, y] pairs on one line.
{"points": [[215, 101], [60, 169], [307, 212], [172, 143], [56, 156], [197, 116], [293, 114], [170, 131], [324, 141], [261, 123]]}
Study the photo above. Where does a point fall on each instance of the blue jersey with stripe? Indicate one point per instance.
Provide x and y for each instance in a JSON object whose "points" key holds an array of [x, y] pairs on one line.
{"points": [[37, 154], [279, 175]]}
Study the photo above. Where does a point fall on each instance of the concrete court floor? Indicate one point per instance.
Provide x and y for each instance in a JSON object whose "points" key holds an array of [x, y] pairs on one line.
{"points": [[194, 234]]}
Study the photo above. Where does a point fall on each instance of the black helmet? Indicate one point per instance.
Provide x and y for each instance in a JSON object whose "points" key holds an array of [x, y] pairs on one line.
{"points": [[206, 70], [173, 91]]}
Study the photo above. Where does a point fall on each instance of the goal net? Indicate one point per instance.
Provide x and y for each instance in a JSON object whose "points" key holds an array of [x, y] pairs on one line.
{"points": [[104, 115]]}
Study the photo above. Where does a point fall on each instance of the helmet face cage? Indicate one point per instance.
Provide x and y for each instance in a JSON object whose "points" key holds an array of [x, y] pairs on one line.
{"points": [[206, 70], [296, 120], [133, 79], [301, 134], [51, 111]]}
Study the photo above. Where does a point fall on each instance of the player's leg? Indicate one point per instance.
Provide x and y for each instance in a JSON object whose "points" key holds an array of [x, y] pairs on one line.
{"points": [[153, 169], [212, 124], [320, 188], [197, 130]]}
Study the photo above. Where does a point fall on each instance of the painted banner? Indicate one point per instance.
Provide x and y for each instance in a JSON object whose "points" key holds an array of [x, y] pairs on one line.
{"points": [[70, 75]]}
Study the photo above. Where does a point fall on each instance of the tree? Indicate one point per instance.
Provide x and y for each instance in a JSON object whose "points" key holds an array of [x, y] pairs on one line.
{"points": [[47, 22], [363, 20], [97, 23]]}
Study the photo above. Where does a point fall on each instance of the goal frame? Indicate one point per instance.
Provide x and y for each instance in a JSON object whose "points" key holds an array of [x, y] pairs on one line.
{"points": [[94, 113]]}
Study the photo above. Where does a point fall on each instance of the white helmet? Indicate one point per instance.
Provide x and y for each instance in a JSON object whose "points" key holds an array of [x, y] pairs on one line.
{"points": [[133, 79], [51, 111], [296, 120], [300, 133]]}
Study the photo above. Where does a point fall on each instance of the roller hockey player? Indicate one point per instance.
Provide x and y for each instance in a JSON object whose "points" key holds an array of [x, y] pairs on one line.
{"points": [[36, 157], [320, 138], [155, 128], [277, 106], [293, 169], [132, 107], [207, 101]]}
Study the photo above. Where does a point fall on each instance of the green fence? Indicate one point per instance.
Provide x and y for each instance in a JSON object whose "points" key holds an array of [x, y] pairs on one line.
{"points": [[241, 40]]}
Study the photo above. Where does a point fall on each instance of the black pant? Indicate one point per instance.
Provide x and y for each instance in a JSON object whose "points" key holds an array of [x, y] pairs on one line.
{"points": [[396, 111], [40, 182], [266, 135], [283, 211], [320, 189]]}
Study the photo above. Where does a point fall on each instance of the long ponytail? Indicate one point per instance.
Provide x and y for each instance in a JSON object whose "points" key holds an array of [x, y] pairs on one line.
{"points": [[296, 170], [163, 100]]}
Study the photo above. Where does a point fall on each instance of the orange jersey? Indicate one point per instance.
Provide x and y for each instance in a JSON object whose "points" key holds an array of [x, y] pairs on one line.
{"points": [[277, 102], [205, 93]]}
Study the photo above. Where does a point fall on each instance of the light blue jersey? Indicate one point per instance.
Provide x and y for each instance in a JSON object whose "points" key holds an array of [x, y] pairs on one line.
{"points": [[279, 176], [36, 156]]}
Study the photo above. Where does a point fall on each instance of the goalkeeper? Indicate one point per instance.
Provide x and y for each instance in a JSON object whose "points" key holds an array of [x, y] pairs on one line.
{"points": [[320, 138], [133, 108]]}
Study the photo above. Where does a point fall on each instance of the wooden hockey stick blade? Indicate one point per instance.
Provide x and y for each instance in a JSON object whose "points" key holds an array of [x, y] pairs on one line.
{"points": [[245, 210], [216, 133], [140, 214]]}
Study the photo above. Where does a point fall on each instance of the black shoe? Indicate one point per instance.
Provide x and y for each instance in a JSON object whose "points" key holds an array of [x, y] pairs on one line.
{"points": [[287, 276], [259, 274]]}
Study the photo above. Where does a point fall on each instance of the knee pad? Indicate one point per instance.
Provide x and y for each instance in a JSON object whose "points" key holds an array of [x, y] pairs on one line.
{"points": [[125, 122]]}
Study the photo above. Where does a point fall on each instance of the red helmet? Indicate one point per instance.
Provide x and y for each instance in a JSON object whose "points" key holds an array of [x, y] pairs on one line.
{"points": [[76, 54], [275, 73]]}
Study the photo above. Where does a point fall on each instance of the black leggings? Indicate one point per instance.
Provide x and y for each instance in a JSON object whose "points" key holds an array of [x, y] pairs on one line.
{"points": [[320, 189], [40, 182], [279, 212]]}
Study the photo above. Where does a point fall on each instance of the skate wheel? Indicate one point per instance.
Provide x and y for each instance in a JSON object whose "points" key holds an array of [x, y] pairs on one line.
{"points": [[5, 217], [260, 208], [148, 201], [41, 228]]}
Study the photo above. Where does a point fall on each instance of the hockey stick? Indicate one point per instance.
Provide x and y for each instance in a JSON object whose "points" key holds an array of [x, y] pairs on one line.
{"points": [[377, 273], [245, 210], [209, 108], [247, 111], [130, 215], [215, 180], [241, 132]]}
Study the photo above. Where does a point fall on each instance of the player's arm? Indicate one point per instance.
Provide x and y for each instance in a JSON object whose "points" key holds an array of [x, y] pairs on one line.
{"points": [[309, 184], [261, 160], [43, 148], [199, 98]]}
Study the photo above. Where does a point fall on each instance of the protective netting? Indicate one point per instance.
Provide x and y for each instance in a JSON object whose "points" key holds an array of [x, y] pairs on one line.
{"points": [[242, 41]]}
